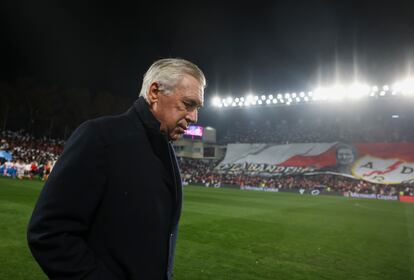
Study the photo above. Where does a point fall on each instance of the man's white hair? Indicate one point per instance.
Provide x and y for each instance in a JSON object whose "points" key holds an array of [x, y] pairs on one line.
{"points": [[168, 73]]}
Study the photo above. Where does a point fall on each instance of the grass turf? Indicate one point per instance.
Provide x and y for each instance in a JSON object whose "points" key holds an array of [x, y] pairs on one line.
{"points": [[232, 234]]}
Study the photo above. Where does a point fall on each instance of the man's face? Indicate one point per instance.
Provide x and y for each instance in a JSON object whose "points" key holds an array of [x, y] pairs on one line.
{"points": [[178, 109], [344, 156]]}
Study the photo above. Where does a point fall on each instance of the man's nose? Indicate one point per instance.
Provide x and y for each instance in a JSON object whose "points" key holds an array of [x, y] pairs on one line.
{"points": [[192, 116]]}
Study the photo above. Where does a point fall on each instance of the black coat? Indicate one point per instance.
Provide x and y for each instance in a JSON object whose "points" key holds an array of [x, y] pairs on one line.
{"points": [[111, 205]]}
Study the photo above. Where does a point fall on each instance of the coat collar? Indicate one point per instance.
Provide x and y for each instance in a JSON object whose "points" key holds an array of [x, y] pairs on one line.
{"points": [[163, 149], [150, 123]]}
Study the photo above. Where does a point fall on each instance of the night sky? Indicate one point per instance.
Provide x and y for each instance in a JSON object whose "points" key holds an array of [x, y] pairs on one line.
{"points": [[242, 46]]}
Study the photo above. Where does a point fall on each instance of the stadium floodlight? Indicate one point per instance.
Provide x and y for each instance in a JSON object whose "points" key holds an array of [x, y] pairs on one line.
{"points": [[405, 87], [397, 87], [216, 101], [395, 116], [331, 93], [335, 92], [338, 92], [357, 90], [317, 94], [321, 94]]}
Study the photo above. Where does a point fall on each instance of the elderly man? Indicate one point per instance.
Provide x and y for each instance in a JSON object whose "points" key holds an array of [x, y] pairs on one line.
{"points": [[111, 206]]}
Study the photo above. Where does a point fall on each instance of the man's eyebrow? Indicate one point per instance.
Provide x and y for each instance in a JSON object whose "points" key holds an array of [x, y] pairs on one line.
{"points": [[192, 102]]}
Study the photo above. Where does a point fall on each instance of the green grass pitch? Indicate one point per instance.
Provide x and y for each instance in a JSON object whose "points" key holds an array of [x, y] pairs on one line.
{"points": [[233, 234]]}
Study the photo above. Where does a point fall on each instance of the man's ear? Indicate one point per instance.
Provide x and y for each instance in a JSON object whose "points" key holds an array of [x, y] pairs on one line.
{"points": [[153, 93]]}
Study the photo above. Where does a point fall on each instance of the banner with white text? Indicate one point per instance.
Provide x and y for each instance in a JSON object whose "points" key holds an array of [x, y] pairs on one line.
{"points": [[384, 163]]}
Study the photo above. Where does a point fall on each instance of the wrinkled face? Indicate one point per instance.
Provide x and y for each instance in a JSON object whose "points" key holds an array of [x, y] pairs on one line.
{"points": [[178, 109], [344, 156]]}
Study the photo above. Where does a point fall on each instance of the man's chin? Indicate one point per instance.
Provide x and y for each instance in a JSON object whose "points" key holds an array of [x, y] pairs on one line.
{"points": [[176, 133], [174, 137]]}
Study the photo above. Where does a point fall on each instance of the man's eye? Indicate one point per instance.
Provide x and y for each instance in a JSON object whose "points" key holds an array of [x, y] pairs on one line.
{"points": [[190, 106]]}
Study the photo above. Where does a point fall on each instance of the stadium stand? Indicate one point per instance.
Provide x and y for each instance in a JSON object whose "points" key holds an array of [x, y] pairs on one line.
{"points": [[36, 156], [200, 172], [317, 131], [31, 156]]}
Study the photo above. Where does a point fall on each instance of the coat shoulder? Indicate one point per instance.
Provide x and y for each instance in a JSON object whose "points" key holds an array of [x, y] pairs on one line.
{"points": [[117, 128]]}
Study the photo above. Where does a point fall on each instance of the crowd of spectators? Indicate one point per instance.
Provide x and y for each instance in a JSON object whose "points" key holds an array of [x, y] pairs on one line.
{"points": [[36, 156], [31, 156], [201, 172]]}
